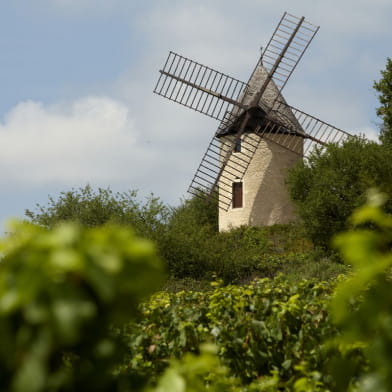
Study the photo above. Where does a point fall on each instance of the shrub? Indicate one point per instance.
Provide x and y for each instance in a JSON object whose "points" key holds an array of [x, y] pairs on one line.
{"points": [[60, 293], [93, 208], [267, 327]]}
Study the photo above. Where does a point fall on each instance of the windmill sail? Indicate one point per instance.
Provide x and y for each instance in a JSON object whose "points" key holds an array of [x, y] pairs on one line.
{"points": [[285, 49], [199, 87], [313, 130]]}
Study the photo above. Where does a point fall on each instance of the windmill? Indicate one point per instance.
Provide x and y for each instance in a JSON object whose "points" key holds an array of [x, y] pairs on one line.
{"points": [[260, 137]]}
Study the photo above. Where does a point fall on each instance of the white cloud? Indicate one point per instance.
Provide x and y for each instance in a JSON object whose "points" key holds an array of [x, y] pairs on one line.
{"points": [[85, 140], [96, 140]]}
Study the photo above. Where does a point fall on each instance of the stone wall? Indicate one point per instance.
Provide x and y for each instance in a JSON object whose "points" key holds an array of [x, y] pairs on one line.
{"points": [[265, 196]]}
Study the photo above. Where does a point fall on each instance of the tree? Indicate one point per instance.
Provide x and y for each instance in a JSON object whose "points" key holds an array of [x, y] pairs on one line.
{"points": [[331, 184], [93, 208], [384, 89]]}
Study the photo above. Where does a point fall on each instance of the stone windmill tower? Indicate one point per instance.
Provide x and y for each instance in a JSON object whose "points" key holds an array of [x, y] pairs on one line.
{"points": [[260, 136]]}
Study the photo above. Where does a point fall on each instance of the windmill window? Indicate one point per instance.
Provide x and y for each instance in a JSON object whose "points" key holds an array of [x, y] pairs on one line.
{"points": [[237, 194], [237, 145]]}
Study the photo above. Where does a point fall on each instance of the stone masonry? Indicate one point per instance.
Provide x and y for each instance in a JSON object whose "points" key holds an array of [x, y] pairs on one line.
{"points": [[265, 196]]}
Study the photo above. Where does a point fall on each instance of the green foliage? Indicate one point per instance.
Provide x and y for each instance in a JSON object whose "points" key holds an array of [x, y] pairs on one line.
{"points": [[60, 292], [191, 230], [193, 374], [187, 236], [384, 89], [331, 184], [362, 306], [93, 208], [65, 292], [199, 210], [194, 249], [265, 331]]}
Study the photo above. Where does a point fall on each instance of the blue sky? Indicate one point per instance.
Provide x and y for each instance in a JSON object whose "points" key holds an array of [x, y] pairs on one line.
{"points": [[76, 81]]}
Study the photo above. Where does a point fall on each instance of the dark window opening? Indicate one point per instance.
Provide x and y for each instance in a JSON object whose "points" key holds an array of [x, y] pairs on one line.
{"points": [[237, 194], [237, 145]]}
